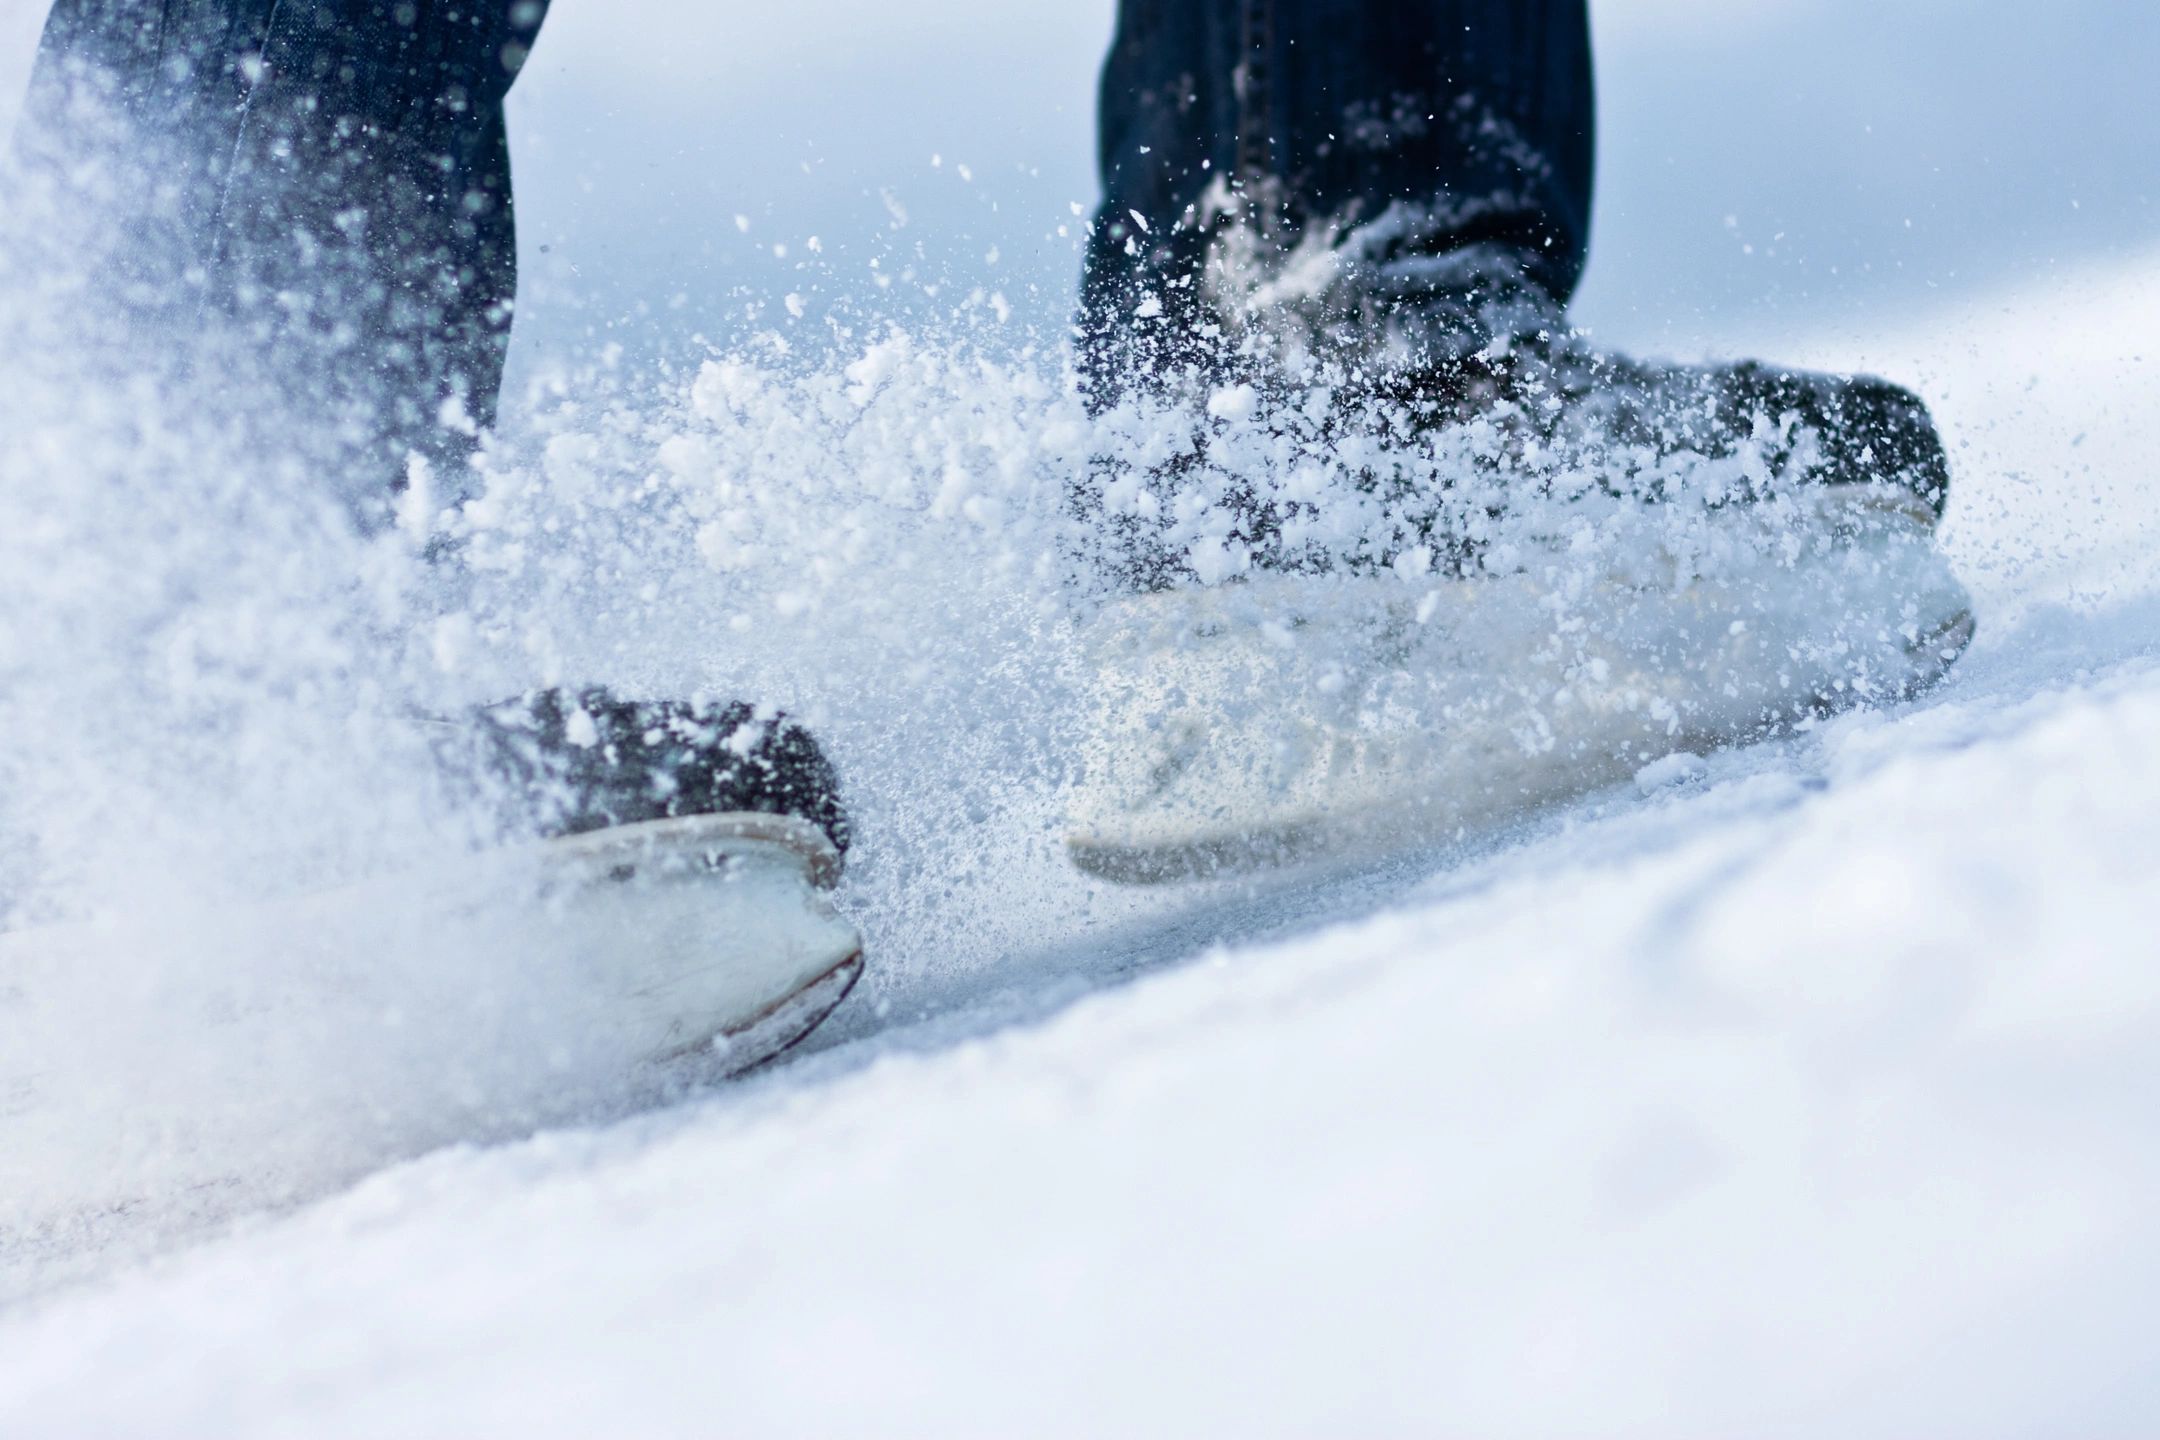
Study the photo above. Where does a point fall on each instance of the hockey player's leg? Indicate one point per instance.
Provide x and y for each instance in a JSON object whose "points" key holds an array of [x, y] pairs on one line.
{"points": [[1288, 123], [317, 194]]}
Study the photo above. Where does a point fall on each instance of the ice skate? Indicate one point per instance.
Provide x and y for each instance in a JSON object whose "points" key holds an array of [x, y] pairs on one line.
{"points": [[1455, 563], [690, 857]]}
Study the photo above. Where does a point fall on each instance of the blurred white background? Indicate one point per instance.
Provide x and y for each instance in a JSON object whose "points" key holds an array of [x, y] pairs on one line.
{"points": [[1767, 169]]}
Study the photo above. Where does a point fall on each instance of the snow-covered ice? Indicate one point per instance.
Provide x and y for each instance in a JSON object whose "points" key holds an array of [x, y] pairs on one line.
{"points": [[1812, 1088], [1820, 1095]]}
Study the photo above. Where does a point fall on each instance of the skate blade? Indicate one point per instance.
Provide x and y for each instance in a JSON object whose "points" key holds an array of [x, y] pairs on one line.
{"points": [[1480, 717], [788, 1023], [713, 932]]}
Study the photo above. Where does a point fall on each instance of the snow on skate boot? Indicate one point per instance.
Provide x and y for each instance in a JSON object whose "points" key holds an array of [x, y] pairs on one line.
{"points": [[1413, 578], [693, 848]]}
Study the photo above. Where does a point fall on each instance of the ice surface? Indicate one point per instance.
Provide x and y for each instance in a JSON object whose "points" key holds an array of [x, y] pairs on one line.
{"points": [[1777, 1108]]}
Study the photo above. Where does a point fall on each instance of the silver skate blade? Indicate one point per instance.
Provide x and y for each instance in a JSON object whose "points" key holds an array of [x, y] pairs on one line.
{"points": [[707, 933], [1292, 718], [193, 1061], [788, 1023]]}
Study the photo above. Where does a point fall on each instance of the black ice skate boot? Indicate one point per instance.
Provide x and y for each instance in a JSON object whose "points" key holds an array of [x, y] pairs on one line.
{"points": [[594, 761], [1549, 398], [700, 842], [1415, 400]]}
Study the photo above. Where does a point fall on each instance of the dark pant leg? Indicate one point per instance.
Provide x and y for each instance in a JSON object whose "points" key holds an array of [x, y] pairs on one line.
{"points": [[326, 181], [1435, 125]]}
